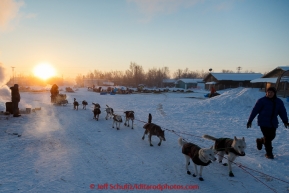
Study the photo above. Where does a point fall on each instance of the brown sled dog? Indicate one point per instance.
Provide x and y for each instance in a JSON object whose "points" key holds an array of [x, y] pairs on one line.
{"points": [[129, 115], [96, 111], [75, 104], [84, 104], [153, 129]]}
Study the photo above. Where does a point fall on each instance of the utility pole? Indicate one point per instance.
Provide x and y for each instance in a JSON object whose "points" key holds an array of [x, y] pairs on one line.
{"points": [[239, 68], [13, 73]]}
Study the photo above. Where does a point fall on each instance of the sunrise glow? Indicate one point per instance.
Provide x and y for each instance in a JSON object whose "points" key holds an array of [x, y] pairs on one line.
{"points": [[44, 71]]}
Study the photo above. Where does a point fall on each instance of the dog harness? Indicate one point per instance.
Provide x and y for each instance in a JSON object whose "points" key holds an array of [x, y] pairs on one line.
{"points": [[192, 151], [225, 144]]}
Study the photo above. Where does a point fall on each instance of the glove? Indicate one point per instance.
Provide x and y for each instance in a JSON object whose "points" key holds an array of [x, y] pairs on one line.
{"points": [[286, 125], [249, 124]]}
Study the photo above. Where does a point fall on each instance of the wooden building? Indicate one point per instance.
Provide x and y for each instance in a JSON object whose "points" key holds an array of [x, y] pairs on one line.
{"points": [[230, 80], [188, 83], [276, 72], [168, 83], [270, 79]]}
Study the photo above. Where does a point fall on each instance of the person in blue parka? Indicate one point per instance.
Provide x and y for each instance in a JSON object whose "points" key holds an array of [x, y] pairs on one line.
{"points": [[268, 108]]}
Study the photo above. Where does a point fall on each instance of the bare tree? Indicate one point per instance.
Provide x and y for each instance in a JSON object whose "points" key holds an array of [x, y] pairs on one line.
{"points": [[178, 74], [97, 74], [186, 73], [79, 80], [165, 72], [227, 71], [137, 73], [249, 71], [151, 77], [155, 77]]}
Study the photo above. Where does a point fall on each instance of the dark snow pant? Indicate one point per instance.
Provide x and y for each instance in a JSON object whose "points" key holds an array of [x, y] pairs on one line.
{"points": [[15, 108], [269, 134]]}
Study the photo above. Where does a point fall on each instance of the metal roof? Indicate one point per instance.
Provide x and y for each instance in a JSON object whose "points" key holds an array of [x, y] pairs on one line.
{"points": [[285, 68], [271, 80], [169, 80], [211, 82], [188, 80], [236, 76]]}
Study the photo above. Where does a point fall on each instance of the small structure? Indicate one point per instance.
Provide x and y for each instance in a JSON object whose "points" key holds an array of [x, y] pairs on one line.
{"points": [[168, 83], [188, 83], [88, 82]]}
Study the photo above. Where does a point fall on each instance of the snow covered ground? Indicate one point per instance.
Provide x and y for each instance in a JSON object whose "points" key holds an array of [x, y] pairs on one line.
{"points": [[58, 149]]}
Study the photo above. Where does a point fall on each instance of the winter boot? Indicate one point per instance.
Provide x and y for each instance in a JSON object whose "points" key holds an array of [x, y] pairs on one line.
{"points": [[269, 156], [269, 153], [17, 113], [259, 143]]}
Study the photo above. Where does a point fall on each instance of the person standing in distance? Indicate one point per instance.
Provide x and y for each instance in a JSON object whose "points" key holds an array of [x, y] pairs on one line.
{"points": [[15, 98], [54, 92], [268, 108]]}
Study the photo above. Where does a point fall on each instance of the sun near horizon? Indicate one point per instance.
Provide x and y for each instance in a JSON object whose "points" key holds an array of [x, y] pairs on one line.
{"points": [[44, 71]]}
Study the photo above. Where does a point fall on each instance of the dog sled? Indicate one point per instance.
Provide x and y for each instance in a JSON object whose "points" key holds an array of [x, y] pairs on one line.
{"points": [[60, 99], [68, 89], [209, 95]]}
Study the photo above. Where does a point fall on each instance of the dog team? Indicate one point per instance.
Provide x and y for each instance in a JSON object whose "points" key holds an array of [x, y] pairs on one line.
{"points": [[267, 108], [199, 156]]}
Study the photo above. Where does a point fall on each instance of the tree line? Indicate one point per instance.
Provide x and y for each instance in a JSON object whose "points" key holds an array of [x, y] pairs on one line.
{"points": [[136, 75], [131, 77]]}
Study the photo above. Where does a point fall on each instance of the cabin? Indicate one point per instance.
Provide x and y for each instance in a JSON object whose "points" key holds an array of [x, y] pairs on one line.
{"points": [[271, 79], [230, 80], [188, 83], [168, 83]]}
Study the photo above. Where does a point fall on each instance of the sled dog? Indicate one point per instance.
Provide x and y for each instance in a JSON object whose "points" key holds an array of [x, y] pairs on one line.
{"points": [[116, 120], [84, 103], [199, 156], [153, 129], [96, 111], [129, 115], [109, 112], [232, 147], [75, 104]]}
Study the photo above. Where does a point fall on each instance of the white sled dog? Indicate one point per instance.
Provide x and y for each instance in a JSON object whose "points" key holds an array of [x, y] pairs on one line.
{"points": [[116, 120], [232, 147], [200, 156]]}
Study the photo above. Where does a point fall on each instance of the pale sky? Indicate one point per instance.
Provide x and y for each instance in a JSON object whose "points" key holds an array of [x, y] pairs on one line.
{"points": [[78, 36]]}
